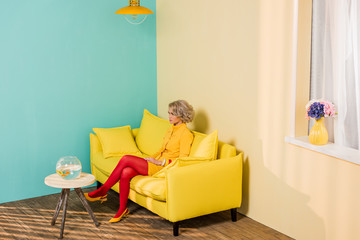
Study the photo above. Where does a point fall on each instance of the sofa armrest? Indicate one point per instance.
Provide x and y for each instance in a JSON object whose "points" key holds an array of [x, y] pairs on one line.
{"points": [[204, 188], [95, 146]]}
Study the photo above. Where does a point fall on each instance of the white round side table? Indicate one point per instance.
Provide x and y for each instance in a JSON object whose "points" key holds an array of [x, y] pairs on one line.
{"points": [[85, 179]]}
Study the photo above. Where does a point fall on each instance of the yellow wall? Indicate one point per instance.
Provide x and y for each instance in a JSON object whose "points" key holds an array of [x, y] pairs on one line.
{"points": [[232, 61]]}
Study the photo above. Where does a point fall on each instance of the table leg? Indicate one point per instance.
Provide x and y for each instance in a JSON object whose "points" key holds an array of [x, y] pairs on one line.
{"points": [[86, 205], [58, 206], [67, 191]]}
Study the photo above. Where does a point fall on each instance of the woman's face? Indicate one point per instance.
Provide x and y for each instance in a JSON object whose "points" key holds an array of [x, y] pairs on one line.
{"points": [[174, 119]]}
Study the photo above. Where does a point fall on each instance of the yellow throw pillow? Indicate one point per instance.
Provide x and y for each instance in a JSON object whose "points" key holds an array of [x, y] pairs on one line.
{"points": [[151, 133], [204, 146], [116, 141]]}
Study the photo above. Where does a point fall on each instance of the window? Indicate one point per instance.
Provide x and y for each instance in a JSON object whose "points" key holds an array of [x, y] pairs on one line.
{"points": [[335, 66], [301, 72]]}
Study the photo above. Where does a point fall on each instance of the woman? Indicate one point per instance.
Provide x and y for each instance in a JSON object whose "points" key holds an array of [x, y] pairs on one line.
{"points": [[177, 142]]}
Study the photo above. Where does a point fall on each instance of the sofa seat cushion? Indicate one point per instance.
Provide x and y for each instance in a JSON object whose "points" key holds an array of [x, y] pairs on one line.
{"points": [[149, 187], [107, 165]]}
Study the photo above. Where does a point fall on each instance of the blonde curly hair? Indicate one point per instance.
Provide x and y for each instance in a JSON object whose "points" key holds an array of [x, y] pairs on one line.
{"points": [[183, 110]]}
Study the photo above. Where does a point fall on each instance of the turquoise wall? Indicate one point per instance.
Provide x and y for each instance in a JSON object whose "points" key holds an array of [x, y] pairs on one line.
{"points": [[66, 67]]}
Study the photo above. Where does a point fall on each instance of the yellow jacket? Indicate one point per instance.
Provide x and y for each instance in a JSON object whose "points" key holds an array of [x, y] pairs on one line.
{"points": [[177, 143]]}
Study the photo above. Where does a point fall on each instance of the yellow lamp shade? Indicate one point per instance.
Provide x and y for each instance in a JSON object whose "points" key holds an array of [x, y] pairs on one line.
{"points": [[134, 10], [134, 13]]}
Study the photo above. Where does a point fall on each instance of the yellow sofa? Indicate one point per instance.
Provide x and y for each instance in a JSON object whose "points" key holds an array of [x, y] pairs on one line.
{"points": [[188, 187]]}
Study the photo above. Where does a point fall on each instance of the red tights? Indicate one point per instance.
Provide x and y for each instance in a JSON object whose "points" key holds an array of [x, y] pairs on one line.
{"points": [[128, 167]]}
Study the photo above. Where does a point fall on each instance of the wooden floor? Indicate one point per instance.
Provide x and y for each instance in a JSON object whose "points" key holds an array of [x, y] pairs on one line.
{"points": [[30, 219]]}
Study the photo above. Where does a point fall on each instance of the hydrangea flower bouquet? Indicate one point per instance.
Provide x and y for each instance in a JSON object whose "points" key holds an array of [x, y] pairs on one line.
{"points": [[318, 109]]}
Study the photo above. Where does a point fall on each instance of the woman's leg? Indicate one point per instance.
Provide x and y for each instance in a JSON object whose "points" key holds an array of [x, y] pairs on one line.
{"points": [[139, 164], [124, 187]]}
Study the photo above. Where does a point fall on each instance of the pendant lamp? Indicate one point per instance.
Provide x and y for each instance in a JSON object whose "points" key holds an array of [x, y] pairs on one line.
{"points": [[134, 13]]}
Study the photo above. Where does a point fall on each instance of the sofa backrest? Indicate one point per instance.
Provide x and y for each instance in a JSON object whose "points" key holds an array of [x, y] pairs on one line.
{"points": [[225, 150]]}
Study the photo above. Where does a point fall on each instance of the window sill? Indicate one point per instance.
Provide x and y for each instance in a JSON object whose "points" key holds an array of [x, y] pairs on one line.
{"points": [[330, 149]]}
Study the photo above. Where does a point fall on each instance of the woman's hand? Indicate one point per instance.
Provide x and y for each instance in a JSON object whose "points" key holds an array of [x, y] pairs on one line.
{"points": [[153, 160]]}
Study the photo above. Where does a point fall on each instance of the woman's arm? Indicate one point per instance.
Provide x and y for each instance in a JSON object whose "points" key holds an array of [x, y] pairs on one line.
{"points": [[154, 161], [185, 144]]}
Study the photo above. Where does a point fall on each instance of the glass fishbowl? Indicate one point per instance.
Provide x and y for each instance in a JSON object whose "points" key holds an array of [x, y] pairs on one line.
{"points": [[68, 167]]}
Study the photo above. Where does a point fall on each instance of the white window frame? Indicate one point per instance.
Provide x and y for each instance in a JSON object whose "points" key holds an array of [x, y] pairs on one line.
{"points": [[330, 149]]}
